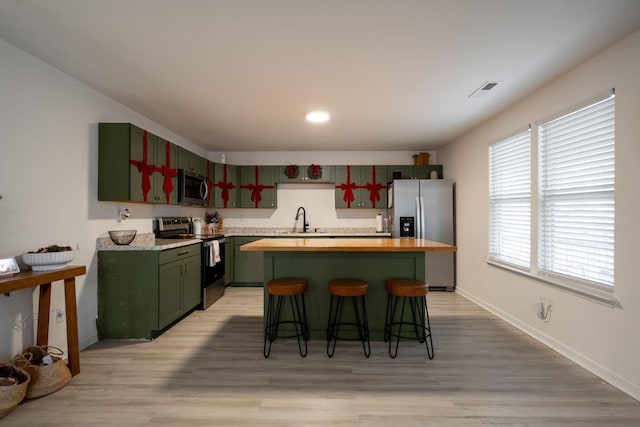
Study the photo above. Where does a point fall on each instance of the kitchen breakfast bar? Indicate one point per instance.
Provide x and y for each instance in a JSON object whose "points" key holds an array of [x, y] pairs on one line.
{"points": [[321, 259]]}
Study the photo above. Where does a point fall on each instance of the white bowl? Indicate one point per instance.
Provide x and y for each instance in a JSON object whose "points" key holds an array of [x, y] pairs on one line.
{"points": [[48, 260]]}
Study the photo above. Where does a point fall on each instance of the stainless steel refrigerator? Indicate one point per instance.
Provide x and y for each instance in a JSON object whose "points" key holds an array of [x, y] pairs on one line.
{"points": [[424, 209]]}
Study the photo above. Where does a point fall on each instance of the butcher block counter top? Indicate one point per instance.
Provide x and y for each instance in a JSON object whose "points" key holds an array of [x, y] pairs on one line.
{"points": [[346, 245]]}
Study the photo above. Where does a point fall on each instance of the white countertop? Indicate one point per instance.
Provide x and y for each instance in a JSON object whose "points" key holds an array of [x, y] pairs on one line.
{"points": [[144, 242], [148, 241]]}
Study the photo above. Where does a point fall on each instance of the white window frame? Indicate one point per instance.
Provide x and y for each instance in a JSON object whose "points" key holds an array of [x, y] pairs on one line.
{"points": [[576, 198], [540, 269], [510, 201]]}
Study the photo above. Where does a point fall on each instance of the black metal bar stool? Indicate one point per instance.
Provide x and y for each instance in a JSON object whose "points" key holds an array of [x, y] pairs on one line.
{"points": [[415, 292], [341, 289], [292, 289]]}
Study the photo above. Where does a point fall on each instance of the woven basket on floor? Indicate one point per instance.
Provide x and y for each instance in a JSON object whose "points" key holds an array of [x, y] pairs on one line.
{"points": [[45, 379], [11, 395]]}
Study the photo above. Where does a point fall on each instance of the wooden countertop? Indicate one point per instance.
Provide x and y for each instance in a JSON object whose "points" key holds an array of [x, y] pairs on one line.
{"points": [[347, 245]]}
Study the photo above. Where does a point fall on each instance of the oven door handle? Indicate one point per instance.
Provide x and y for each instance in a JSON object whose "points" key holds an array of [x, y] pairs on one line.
{"points": [[208, 243]]}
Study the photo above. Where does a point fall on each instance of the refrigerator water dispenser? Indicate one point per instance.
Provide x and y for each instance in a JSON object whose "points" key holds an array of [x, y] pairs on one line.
{"points": [[407, 226]]}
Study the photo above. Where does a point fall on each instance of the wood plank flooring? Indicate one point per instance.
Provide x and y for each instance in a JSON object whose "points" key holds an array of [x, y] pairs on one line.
{"points": [[208, 370]]}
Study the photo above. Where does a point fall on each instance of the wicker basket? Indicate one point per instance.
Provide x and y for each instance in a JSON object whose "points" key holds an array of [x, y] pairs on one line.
{"points": [[421, 159], [11, 395], [45, 379]]}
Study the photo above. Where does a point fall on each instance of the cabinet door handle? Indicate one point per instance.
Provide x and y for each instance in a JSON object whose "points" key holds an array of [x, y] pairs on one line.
{"points": [[183, 253]]}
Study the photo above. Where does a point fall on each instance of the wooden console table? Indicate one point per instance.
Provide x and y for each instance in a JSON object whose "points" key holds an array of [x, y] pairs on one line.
{"points": [[43, 279]]}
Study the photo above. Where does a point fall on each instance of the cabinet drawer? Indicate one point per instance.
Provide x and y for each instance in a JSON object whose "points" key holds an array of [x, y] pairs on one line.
{"points": [[176, 254]]}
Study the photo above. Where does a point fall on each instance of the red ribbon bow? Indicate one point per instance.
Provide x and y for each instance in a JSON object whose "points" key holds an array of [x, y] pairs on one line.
{"points": [[374, 188], [225, 186], [167, 186], [374, 192], [348, 188], [256, 192], [348, 192], [169, 173], [256, 189], [144, 168]]}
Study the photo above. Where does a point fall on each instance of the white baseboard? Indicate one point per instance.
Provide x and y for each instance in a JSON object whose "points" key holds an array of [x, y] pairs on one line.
{"points": [[603, 372], [87, 341]]}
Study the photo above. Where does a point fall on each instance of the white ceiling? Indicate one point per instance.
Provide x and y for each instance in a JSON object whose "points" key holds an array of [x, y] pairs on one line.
{"points": [[239, 75]]}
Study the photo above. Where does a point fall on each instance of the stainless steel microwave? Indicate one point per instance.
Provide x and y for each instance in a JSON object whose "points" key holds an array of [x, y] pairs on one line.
{"points": [[193, 189]]}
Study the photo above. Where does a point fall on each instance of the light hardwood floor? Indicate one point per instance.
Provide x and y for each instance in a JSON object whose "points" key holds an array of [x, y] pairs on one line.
{"points": [[208, 370]]}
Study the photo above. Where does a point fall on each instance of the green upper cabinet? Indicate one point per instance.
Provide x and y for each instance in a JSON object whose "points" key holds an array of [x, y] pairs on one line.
{"points": [[405, 172], [225, 185], [425, 171], [305, 174], [192, 162], [135, 165], [361, 187], [414, 171], [258, 186]]}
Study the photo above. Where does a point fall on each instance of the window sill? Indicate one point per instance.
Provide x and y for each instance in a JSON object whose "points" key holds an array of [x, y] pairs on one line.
{"points": [[593, 293]]}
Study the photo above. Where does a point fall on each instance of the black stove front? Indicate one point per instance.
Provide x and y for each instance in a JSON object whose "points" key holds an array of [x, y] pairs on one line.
{"points": [[212, 255]]}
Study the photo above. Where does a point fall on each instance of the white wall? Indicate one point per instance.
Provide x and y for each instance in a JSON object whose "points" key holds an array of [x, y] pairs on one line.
{"points": [[603, 339], [48, 183]]}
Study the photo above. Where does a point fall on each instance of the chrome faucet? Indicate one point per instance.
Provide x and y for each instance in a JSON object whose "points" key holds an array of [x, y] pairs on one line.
{"points": [[305, 224]]}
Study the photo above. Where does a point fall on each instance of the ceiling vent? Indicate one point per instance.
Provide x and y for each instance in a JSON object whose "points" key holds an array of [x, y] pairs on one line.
{"points": [[483, 89]]}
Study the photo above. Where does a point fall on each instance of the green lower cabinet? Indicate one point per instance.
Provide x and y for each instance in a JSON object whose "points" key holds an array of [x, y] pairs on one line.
{"points": [[169, 295], [191, 292], [247, 266], [229, 260], [141, 293], [321, 267]]}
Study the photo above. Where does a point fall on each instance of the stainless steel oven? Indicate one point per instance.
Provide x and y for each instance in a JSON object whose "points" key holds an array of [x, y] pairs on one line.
{"points": [[213, 256]]}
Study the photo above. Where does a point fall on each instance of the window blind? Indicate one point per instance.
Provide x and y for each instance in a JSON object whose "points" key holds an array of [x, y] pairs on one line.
{"points": [[510, 201], [576, 195]]}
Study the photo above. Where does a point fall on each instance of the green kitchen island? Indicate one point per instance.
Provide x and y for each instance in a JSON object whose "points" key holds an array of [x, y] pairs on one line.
{"points": [[321, 259]]}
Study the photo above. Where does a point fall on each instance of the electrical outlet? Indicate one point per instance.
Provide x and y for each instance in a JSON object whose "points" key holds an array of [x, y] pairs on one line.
{"points": [[59, 315]]}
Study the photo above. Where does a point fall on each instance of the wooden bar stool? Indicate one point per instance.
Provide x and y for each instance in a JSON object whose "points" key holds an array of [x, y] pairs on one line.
{"points": [[415, 292], [341, 289], [292, 289]]}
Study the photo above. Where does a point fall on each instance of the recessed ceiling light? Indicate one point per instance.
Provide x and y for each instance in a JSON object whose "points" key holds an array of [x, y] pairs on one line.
{"points": [[318, 116]]}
